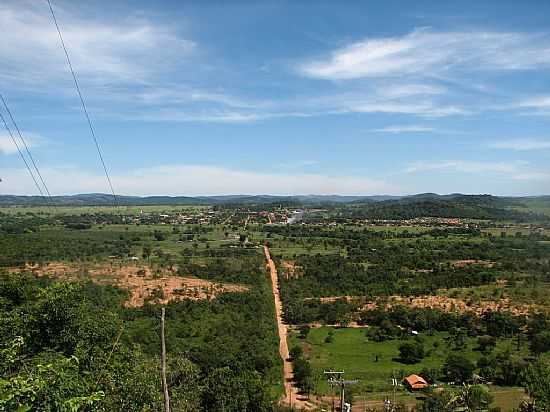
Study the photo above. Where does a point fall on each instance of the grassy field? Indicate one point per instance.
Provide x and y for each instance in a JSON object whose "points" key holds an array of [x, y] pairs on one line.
{"points": [[374, 363]]}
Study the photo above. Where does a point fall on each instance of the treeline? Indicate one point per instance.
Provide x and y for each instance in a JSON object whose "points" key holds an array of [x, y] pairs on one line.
{"points": [[18, 249]]}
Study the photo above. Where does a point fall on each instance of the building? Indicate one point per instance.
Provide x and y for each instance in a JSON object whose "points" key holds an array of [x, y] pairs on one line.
{"points": [[415, 382]]}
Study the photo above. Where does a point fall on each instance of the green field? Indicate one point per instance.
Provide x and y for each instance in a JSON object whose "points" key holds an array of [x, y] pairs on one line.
{"points": [[374, 363]]}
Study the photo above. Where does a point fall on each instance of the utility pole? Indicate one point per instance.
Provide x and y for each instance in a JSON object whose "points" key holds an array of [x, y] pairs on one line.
{"points": [[336, 379], [331, 375], [163, 364]]}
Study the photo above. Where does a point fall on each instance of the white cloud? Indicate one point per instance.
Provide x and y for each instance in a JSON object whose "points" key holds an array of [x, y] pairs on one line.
{"points": [[405, 129], [533, 176], [194, 180], [7, 146], [513, 170], [299, 164], [465, 167], [425, 52], [522, 144], [407, 90], [537, 105], [125, 50], [539, 102], [426, 108]]}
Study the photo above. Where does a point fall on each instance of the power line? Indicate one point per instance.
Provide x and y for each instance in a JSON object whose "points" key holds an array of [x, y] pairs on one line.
{"points": [[26, 147], [22, 157], [83, 104]]}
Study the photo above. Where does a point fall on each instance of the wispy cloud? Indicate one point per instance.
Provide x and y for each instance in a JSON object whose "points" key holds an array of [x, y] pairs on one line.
{"points": [[7, 147], [405, 129], [536, 105], [425, 108], [464, 167], [514, 170], [425, 52], [129, 50], [206, 180], [533, 176], [538, 102], [522, 144], [299, 164]]}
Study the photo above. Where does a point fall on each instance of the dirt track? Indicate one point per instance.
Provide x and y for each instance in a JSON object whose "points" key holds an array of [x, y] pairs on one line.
{"points": [[291, 396]]}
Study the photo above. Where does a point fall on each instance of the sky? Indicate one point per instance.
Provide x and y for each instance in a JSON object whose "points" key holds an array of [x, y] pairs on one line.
{"points": [[279, 97]]}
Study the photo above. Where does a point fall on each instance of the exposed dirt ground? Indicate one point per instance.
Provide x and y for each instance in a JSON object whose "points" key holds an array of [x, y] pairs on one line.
{"points": [[160, 287], [291, 270], [449, 304], [468, 262], [443, 303]]}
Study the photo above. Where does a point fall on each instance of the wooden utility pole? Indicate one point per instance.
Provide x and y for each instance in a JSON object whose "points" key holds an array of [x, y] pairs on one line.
{"points": [[163, 365]]}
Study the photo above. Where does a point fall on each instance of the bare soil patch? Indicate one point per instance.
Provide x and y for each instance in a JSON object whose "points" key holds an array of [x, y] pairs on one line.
{"points": [[291, 270], [470, 262], [144, 285], [443, 303]]}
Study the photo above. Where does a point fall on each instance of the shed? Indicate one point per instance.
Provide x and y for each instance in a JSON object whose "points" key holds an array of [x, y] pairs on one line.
{"points": [[415, 382]]}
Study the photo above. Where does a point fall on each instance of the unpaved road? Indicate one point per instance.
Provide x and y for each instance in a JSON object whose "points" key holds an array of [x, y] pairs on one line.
{"points": [[291, 392]]}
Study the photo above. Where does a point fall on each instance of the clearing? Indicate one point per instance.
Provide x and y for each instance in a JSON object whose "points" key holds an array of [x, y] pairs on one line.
{"points": [[143, 285]]}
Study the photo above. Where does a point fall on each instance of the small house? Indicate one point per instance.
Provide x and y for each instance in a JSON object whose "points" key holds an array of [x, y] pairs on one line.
{"points": [[415, 382]]}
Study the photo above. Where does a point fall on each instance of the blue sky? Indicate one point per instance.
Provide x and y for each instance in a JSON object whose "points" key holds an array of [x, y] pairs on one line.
{"points": [[201, 98]]}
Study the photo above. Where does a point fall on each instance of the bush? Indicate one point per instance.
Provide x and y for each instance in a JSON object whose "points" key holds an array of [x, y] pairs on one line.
{"points": [[411, 352], [458, 368], [296, 352]]}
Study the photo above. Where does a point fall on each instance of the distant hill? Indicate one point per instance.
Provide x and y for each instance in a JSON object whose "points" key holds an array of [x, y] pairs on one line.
{"points": [[98, 199], [454, 205], [481, 206]]}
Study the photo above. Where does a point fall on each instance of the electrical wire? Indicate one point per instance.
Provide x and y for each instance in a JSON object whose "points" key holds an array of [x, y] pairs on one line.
{"points": [[83, 104], [23, 157], [26, 147]]}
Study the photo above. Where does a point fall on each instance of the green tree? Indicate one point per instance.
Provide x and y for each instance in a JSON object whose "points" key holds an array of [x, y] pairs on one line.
{"points": [[540, 342], [411, 352], [537, 381], [458, 368]]}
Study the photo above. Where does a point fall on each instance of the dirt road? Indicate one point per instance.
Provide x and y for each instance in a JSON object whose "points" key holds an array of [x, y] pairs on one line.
{"points": [[291, 392]]}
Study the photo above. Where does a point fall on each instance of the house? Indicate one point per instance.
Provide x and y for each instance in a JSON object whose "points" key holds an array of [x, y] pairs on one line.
{"points": [[415, 382]]}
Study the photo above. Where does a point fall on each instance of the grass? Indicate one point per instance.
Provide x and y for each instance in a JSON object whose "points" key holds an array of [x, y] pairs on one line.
{"points": [[374, 363]]}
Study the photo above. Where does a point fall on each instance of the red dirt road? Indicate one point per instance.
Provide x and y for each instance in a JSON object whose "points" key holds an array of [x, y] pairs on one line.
{"points": [[291, 396]]}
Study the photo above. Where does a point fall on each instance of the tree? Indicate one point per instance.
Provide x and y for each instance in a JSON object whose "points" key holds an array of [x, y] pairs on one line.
{"points": [[411, 352], [540, 342], [458, 368], [296, 352], [147, 250], [441, 401], [486, 343], [537, 381], [159, 235], [473, 398]]}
